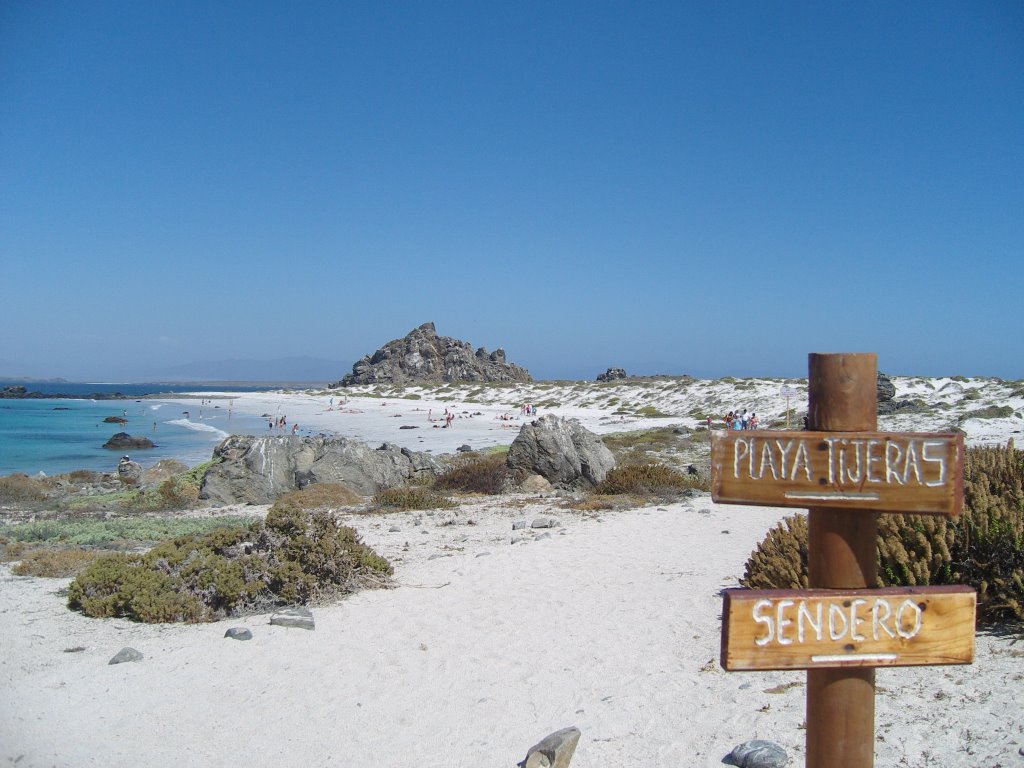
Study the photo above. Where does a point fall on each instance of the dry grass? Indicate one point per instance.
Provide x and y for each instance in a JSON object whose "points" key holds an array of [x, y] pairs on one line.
{"points": [[481, 474], [54, 563], [322, 496], [411, 497]]}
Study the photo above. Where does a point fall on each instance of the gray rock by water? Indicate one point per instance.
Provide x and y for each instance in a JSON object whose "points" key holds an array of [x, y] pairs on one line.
{"points": [[297, 616], [423, 356], [125, 654], [122, 441], [256, 470], [561, 451], [553, 751], [129, 472], [758, 753]]}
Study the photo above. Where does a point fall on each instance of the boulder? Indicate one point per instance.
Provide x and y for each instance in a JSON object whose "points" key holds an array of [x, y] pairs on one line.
{"points": [[757, 753], [613, 374], [124, 655], [129, 472], [122, 441], [884, 388], [256, 470], [561, 451], [424, 357]]}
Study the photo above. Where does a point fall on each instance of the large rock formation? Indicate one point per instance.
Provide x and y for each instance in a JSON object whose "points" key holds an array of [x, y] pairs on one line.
{"points": [[613, 374], [424, 357], [122, 441], [561, 451], [255, 470]]}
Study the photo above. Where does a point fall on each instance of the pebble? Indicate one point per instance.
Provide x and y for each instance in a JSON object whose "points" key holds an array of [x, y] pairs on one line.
{"points": [[239, 633], [757, 753]]}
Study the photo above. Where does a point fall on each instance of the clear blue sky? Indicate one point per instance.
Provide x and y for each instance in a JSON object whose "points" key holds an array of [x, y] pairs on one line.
{"points": [[704, 188]]}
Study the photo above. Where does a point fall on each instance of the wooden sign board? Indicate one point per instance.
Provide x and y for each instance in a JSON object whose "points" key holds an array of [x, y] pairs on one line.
{"points": [[919, 473], [824, 628]]}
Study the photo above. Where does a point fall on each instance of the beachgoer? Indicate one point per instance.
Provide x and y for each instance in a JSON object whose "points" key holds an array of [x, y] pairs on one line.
{"points": [[753, 421], [295, 428]]}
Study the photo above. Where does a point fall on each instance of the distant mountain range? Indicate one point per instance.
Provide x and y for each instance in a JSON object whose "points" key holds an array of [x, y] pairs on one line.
{"points": [[307, 369]]}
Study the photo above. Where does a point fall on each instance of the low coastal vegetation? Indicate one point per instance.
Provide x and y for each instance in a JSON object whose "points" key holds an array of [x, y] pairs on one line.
{"points": [[293, 556], [983, 547], [410, 497], [651, 480], [485, 474]]}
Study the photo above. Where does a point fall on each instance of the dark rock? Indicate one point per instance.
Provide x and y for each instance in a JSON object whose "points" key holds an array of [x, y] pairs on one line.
{"points": [[423, 356], [239, 633], [115, 420], [122, 441], [464, 449], [613, 374], [257, 470], [553, 751], [757, 753], [561, 451], [298, 616], [890, 407], [408, 426], [125, 654], [884, 388]]}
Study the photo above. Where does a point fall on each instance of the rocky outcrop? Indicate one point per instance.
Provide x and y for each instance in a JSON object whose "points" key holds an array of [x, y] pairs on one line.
{"points": [[256, 470], [561, 451], [884, 388], [613, 374], [122, 441], [424, 357], [129, 472]]}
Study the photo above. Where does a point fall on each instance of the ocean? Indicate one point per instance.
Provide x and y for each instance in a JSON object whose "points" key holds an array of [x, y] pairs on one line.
{"points": [[60, 435]]}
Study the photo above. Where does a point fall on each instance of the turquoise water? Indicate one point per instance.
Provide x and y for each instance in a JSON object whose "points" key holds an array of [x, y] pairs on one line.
{"points": [[60, 435]]}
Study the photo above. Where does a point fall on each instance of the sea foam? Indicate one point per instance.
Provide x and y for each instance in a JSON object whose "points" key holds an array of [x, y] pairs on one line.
{"points": [[193, 425]]}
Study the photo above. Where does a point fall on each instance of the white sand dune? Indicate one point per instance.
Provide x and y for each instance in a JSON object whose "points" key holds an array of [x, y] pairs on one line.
{"points": [[611, 624]]}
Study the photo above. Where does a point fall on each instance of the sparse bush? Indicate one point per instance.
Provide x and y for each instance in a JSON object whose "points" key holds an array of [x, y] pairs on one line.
{"points": [[129, 530], [322, 496], [646, 480], [54, 563], [294, 556], [487, 474], [650, 412], [983, 548], [410, 497], [21, 488]]}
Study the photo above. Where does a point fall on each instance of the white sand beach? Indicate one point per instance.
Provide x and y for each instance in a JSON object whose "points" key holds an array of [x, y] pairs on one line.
{"points": [[492, 638], [610, 623]]}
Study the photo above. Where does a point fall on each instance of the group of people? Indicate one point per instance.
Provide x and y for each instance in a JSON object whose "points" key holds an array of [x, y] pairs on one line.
{"points": [[281, 422], [528, 409], [740, 420]]}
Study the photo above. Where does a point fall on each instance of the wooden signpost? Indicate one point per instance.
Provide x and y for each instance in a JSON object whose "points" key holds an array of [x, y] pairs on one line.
{"points": [[840, 629]]}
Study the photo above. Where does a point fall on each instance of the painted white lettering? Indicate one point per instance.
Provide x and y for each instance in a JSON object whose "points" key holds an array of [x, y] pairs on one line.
{"points": [[940, 460], [801, 453], [914, 610], [912, 463], [803, 614], [737, 456], [766, 457], [856, 620], [781, 622], [872, 459], [759, 618], [878, 621], [831, 442], [836, 615], [842, 462], [893, 453], [783, 453]]}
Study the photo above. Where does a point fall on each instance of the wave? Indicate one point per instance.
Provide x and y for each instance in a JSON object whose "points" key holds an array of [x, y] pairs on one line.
{"points": [[196, 426], [157, 407]]}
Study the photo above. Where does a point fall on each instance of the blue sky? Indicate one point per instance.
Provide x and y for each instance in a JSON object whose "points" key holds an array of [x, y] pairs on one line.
{"points": [[713, 189]]}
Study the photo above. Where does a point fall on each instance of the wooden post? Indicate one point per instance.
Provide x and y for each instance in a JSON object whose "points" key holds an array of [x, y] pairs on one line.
{"points": [[841, 552]]}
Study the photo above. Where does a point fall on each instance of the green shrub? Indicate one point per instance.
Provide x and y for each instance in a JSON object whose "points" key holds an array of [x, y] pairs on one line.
{"points": [[294, 556], [983, 548], [411, 497], [651, 479], [134, 530], [482, 474]]}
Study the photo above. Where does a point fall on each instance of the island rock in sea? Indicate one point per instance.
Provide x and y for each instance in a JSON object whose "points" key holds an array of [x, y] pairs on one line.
{"points": [[256, 470], [424, 357]]}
